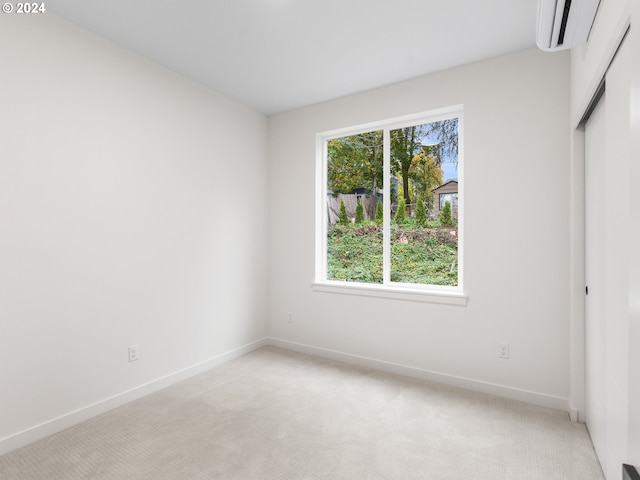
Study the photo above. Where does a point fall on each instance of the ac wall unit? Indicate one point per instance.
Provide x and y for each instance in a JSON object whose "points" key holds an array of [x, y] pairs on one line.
{"points": [[564, 23]]}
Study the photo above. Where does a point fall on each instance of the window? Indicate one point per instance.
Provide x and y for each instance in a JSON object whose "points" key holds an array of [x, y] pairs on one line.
{"points": [[452, 198], [389, 212]]}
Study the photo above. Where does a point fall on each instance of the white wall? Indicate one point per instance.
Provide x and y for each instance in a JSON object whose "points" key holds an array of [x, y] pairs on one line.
{"points": [[589, 64], [125, 194], [516, 113]]}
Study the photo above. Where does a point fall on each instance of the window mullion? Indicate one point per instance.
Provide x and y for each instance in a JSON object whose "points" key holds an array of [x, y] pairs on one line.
{"points": [[386, 228]]}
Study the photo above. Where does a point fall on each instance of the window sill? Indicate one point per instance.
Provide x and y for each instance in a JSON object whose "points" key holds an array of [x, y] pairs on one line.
{"points": [[394, 293]]}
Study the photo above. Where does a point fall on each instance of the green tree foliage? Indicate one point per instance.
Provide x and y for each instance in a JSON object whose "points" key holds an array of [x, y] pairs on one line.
{"points": [[421, 213], [359, 212], [344, 219], [355, 162], [445, 214], [426, 174], [379, 213], [401, 213], [405, 143], [419, 165]]}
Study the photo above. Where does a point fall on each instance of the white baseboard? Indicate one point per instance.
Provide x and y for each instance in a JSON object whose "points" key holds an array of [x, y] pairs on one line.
{"points": [[574, 414], [535, 398], [70, 419]]}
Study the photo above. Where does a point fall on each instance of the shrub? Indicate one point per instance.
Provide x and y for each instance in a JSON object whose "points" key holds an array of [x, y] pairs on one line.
{"points": [[428, 257], [401, 213], [344, 219], [359, 212], [379, 213], [421, 214], [445, 214]]}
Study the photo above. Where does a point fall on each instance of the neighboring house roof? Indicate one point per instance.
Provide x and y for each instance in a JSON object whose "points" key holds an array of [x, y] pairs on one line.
{"points": [[445, 184]]}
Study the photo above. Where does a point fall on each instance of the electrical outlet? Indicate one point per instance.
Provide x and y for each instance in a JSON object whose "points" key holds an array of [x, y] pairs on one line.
{"points": [[503, 350], [290, 317], [133, 353]]}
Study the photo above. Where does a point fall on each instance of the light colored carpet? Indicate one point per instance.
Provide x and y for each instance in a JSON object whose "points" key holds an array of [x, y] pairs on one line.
{"points": [[276, 414]]}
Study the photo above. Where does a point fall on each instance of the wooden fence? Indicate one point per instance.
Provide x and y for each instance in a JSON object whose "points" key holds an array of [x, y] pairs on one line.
{"points": [[350, 202]]}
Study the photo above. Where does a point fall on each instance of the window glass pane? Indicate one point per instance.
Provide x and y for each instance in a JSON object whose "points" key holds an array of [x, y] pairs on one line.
{"points": [[354, 208], [424, 192]]}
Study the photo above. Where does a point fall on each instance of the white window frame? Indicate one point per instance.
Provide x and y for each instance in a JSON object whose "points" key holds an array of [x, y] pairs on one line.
{"points": [[453, 295]]}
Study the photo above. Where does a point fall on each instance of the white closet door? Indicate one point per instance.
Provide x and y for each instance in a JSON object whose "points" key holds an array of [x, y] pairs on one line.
{"points": [[595, 202], [607, 153]]}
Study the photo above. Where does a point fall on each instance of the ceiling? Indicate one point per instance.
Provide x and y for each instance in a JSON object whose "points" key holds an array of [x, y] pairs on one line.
{"points": [[278, 55]]}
